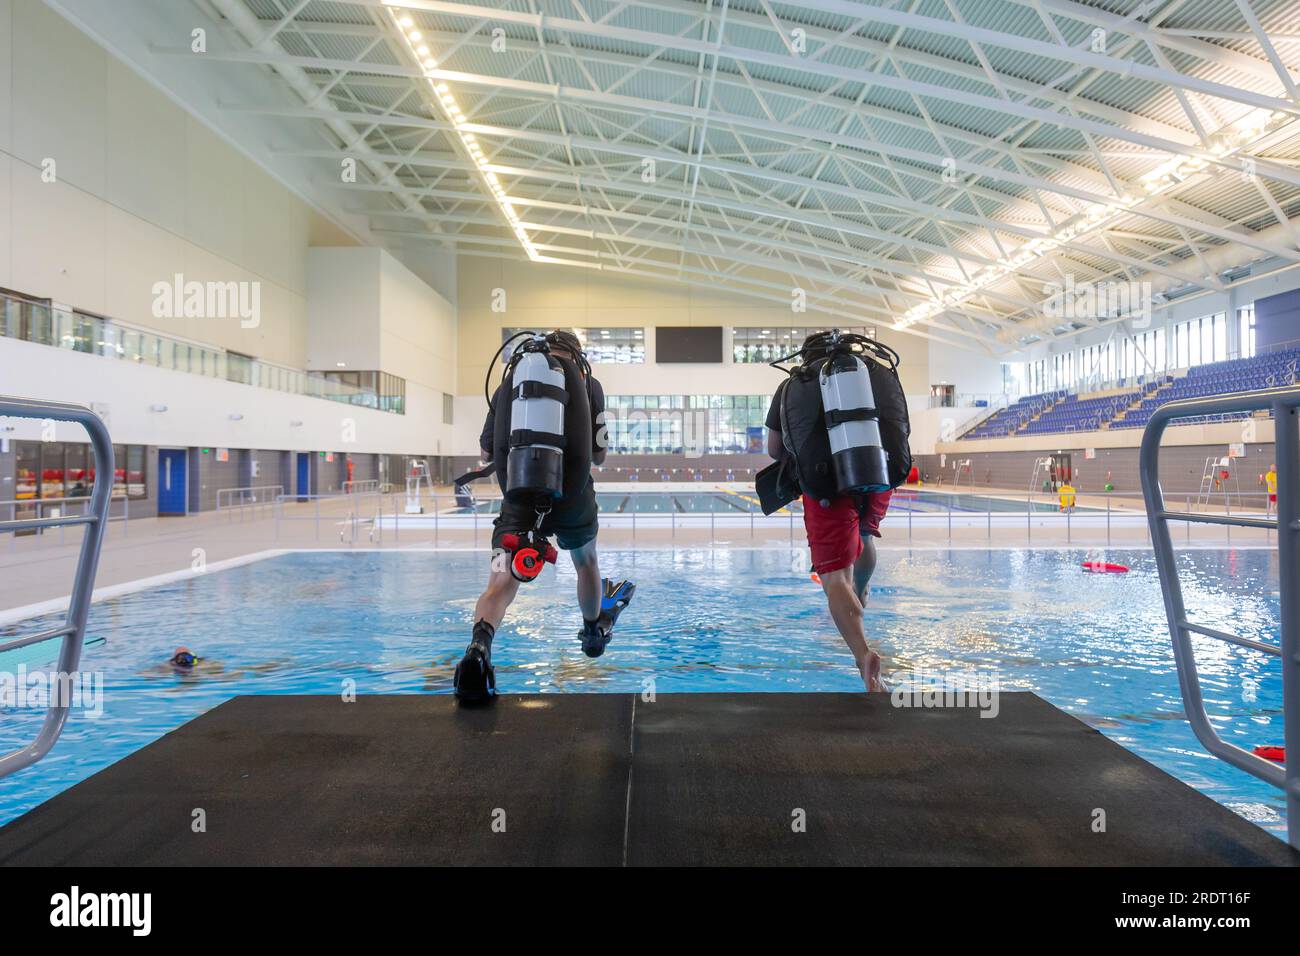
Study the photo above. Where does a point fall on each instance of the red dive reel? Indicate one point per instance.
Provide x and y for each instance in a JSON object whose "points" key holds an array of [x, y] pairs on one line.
{"points": [[528, 553]]}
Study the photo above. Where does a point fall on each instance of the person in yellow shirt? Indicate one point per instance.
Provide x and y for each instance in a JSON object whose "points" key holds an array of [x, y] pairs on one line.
{"points": [[1270, 482], [1067, 493]]}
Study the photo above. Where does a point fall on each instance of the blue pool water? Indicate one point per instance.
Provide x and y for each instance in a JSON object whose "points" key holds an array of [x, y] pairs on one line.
{"points": [[723, 503], [734, 620]]}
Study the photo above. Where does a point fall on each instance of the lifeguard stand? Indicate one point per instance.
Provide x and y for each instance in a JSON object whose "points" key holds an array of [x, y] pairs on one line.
{"points": [[1219, 477], [962, 468], [1044, 470], [419, 474]]}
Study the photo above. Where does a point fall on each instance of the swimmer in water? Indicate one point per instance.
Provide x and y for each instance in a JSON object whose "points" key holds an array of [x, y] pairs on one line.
{"points": [[183, 659]]}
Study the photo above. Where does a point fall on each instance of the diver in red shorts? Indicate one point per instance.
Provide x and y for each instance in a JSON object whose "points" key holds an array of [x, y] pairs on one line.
{"points": [[838, 431]]}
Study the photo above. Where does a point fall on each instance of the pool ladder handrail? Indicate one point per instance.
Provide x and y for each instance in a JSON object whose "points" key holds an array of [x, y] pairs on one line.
{"points": [[73, 630], [1284, 402]]}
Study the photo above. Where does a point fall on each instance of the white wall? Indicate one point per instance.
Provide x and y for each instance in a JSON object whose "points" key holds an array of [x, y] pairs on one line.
{"points": [[198, 409], [369, 311], [143, 192], [343, 302], [972, 372]]}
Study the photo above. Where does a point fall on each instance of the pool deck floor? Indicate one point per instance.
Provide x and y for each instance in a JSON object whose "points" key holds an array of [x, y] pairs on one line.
{"points": [[613, 779]]}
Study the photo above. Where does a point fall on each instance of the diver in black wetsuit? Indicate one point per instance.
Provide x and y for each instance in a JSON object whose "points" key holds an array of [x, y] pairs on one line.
{"points": [[542, 454]]}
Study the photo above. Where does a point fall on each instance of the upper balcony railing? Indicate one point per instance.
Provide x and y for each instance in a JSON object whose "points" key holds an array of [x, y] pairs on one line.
{"points": [[43, 324]]}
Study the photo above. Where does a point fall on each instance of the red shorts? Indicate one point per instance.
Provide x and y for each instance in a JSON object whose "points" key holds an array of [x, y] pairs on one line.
{"points": [[1273, 499], [835, 533]]}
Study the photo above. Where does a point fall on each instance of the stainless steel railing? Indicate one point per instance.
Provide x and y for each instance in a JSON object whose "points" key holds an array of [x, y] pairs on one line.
{"points": [[73, 630], [1284, 402]]}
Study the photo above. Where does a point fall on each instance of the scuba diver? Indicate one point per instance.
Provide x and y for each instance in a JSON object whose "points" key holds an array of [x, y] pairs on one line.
{"points": [[542, 435], [838, 430]]}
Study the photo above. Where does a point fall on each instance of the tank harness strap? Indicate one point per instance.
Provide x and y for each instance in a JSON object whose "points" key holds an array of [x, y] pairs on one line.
{"points": [[526, 436], [838, 416], [541, 516], [469, 476], [532, 389]]}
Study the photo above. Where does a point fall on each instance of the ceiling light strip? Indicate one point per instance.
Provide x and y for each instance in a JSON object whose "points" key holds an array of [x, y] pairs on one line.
{"points": [[446, 101], [1227, 142]]}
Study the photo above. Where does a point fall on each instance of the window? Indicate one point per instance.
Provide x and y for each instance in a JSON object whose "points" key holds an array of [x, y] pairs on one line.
{"points": [[49, 470], [239, 368], [752, 346], [1201, 341], [369, 389], [1246, 331], [448, 408], [678, 424], [604, 346]]}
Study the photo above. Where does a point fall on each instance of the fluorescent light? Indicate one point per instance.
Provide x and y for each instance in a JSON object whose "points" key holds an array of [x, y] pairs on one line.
{"points": [[1227, 142], [446, 99]]}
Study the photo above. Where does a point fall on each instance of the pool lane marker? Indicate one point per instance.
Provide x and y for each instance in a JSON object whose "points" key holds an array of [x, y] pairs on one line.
{"points": [[752, 501]]}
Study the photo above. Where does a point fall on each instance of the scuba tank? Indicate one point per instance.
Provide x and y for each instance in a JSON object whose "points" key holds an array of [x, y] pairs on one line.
{"points": [[861, 464], [535, 462], [844, 422], [542, 431]]}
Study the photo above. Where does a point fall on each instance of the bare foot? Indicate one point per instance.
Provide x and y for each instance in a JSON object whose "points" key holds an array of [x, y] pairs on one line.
{"points": [[870, 669]]}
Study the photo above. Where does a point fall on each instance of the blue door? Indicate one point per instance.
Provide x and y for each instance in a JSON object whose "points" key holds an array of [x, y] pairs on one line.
{"points": [[171, 481], [304, 474]]}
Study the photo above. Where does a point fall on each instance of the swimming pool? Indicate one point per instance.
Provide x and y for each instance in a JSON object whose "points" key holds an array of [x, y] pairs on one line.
{"points": [[722, 620], [723, 503]]}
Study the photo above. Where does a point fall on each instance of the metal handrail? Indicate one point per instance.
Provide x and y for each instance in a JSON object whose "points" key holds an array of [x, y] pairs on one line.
{"points": [[73, 631], [248, 495], [1284, 402]]}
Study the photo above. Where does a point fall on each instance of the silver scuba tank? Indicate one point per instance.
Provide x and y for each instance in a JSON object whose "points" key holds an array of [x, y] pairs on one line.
{"points": [[536, 467], [861, 464]]}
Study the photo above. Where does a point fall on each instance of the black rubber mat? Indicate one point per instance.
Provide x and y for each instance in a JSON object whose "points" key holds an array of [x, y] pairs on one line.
{"points": [[726, 778], [391, 780], [731, 779]]}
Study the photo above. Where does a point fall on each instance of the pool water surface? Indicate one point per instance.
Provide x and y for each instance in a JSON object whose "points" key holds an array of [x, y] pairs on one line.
{"points": [[734, 620]]}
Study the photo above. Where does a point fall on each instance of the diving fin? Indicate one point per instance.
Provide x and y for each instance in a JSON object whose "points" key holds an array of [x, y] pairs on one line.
{"points": [[475, 679], [614, 598]]}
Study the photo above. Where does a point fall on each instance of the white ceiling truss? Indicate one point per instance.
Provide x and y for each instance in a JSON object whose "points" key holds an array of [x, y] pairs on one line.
{"points": [[929, 164]]}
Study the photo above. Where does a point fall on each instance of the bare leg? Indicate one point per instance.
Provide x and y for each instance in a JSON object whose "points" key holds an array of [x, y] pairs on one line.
{"points": [[864, 568], [846, 610], [495, 600], [589, 585]]}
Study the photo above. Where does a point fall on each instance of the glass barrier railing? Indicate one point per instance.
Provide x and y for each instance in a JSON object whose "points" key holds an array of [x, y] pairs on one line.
{"points": [[45, 325]]}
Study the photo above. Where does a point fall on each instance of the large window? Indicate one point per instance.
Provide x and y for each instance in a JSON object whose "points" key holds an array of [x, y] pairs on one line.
{"points": [[378, 390], [604, 346], [1246, 332], [685, 424], [48, 470], [1201, 341], [759, 345]]}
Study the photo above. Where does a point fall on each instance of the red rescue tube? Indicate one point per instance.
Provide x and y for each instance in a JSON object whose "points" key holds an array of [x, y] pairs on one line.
{"points": [[1271, 752], [1105, 567]]}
